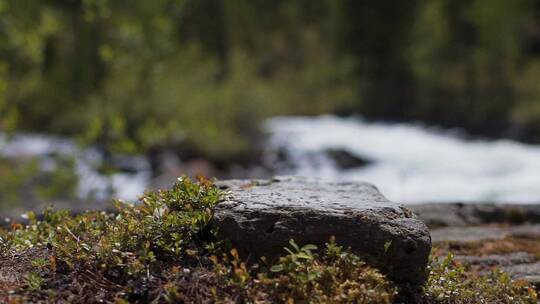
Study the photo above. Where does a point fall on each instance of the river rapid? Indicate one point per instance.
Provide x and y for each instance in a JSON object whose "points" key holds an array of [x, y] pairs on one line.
{"points": [[412, 163]]}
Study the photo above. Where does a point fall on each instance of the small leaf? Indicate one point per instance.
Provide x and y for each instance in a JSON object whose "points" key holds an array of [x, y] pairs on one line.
{"points": [[387, 246], [304, 256], [293, 245], [309, 247], [277, 268]]}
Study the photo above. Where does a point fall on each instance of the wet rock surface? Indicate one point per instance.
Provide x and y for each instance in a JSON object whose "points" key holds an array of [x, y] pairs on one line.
{"points": [[261, 216]]}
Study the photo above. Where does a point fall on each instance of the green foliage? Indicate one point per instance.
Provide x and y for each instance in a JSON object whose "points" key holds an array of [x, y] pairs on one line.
{"points": [[40, 263], [303, 276], [33, 281], [132, 76], [337, 276], [23, 178], [61, 181], [167, 225], [295, 259], [12, 179], [449, 282], [8, 115]]}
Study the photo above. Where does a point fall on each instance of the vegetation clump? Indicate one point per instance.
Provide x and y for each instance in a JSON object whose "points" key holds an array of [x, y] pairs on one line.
{"points": [[166, 250], [450, 282], [302, 276], [129, 248]]}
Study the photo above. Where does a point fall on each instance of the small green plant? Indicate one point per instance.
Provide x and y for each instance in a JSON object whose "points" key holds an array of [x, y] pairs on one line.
{"points": [[40, 263], [387, 246], [295, 259], [33, 281]]}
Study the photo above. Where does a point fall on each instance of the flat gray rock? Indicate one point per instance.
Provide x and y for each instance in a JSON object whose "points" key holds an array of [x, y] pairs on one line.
{"points": [[527, 272], [261, 216], [471, 214], [483, 233], [519, 265], [511, 259]]}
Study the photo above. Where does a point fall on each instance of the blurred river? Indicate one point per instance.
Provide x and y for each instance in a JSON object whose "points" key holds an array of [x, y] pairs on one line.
{"points": [[127, 183], [409, 163]]}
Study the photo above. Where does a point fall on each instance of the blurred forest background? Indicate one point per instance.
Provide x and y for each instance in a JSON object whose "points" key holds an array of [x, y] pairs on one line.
{"points": [[133, 75], [199, 75]]}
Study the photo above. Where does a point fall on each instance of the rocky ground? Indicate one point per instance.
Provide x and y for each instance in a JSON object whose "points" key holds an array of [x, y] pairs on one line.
{"points": [[486, 236], [173, 247]]}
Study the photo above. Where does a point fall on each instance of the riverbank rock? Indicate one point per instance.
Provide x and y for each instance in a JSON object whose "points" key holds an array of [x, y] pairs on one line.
{"points": [[484, 233], [261, 216], [511, 248], [525, 272], [345, 160], [468, 214]]}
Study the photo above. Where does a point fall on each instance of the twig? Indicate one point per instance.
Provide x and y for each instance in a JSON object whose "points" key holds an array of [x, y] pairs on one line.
{"points": [[71, 233]]}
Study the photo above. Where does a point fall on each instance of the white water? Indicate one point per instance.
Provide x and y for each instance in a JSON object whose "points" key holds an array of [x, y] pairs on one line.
{"points": [[92, 184], [410, 163]]}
